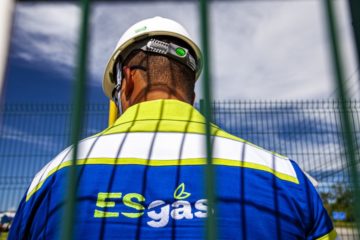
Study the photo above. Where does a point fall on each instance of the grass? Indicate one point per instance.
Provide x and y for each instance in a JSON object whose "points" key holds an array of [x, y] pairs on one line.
{"points": [[3, 236], [344, 224]]}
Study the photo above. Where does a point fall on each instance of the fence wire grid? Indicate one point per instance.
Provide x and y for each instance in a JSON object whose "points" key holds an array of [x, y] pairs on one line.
{"points": [[322, 136], [308, 132]]}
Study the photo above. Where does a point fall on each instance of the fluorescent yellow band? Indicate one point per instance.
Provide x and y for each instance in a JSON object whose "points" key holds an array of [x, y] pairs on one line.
{"points": [[329, 236], [180, 162], [113, 113]]}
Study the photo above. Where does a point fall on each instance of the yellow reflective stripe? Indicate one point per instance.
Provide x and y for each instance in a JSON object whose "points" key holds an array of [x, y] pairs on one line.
{"points": [[180, 162], [329, 236]]}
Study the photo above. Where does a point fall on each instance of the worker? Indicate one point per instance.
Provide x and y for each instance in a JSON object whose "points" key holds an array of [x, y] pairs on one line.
{"points": [[143, 177]]}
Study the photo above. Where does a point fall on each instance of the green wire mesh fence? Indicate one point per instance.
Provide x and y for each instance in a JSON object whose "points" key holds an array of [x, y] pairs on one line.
{"points": [[321, 136], [307, 131]]}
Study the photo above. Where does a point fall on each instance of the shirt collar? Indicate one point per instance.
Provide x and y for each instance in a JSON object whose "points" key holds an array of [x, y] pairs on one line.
{"points": [[165, 115]]}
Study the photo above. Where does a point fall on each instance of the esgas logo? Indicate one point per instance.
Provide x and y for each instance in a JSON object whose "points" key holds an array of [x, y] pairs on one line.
{"points": [[159, 212]]}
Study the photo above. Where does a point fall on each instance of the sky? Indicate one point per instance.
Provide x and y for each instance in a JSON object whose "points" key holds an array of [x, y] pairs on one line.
{"points": [[259, 49]]}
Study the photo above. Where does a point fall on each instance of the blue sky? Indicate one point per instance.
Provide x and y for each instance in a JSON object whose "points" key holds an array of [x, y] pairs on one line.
{"points": [[260, 49]]}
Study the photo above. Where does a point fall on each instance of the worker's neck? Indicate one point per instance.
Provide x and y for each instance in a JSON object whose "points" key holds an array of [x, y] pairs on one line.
{"points": [[160, 94], [145, 94]]}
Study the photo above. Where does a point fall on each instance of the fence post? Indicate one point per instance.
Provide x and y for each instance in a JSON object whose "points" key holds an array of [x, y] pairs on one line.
{"points": [[354, 7], [6, 15], [210, 183], [345, 114], [67, 232]]}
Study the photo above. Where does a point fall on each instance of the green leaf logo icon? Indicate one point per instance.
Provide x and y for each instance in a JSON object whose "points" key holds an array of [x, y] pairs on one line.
{"points": [[180, 192]]}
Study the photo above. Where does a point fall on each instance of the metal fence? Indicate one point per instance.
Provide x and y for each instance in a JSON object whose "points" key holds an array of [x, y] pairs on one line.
{"points": [[31, 135], [307, 131]]}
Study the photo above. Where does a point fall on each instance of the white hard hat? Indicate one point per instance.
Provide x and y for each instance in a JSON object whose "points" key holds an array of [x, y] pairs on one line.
{"points": [[146, 28]]}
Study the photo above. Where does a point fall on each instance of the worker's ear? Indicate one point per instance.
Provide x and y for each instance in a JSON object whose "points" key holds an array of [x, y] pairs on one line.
{"points": [[128, 82]]}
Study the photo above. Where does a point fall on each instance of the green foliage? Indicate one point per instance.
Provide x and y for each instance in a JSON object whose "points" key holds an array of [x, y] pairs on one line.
{"points": [[339, 199]]}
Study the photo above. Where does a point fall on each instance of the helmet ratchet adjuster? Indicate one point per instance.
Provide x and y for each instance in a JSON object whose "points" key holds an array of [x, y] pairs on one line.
{"points": [[172, 50]]}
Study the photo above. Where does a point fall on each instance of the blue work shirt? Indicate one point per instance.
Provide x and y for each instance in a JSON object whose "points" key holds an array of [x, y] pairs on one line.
{"points": [[143, 178]]}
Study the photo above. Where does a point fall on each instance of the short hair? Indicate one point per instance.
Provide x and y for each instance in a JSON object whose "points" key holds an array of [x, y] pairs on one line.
{"points": [[165, 71]]}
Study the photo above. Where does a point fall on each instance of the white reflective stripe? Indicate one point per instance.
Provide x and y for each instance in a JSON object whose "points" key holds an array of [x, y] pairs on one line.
{"points": [[311, 179], [159, 146], [230, 149], [52, 165], [166, 146]]}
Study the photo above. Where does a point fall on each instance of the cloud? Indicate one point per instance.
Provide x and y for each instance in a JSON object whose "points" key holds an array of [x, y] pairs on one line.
{"points": [[47, 33], [260, 50], [275, 50], [10, 133]]}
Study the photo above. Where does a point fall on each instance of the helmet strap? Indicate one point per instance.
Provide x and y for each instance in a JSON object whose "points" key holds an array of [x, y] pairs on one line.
{"points": [[116, 92]]}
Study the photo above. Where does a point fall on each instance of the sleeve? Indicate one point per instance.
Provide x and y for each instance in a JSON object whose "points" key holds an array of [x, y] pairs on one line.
{"points": [[320, 225], [17, 229]]}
